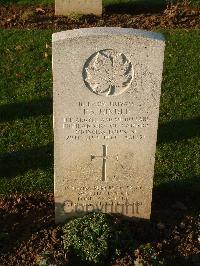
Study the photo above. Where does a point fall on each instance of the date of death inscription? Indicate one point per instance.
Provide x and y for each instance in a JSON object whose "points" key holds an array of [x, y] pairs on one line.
{"points": [[104, 121]]}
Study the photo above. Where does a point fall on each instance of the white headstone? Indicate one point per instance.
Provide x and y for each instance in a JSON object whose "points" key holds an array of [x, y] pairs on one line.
{"points": [[66, 7], [107, 86]]}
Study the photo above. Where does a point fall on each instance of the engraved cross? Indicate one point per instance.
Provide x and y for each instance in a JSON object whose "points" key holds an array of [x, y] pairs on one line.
{"points": [[104, 161]]}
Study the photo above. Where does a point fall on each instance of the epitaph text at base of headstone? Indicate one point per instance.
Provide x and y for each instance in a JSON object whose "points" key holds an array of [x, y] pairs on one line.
{"points": [[107, 86], [67, 7]]}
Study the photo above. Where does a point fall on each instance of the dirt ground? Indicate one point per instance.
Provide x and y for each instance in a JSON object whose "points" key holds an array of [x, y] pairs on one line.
{"points": [[174, 16], [27, 229]]}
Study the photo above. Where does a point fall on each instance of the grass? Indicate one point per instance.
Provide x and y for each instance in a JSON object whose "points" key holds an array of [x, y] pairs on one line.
{"points": [[105, 2], [130, 6], [26, 2], [26, 111], [26, 151], [178, 153], [134, 2]]}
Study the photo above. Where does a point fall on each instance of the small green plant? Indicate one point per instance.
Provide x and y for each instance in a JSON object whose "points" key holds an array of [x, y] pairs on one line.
{"points": [[75, 16], [28, 15], [147, 255], [95, 238]]}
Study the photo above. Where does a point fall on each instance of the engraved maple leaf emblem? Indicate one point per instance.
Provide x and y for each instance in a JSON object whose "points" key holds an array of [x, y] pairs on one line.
{"points": [[108, 72]]}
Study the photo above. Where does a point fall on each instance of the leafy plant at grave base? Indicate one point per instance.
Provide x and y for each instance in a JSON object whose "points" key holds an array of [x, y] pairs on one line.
{"points": [[147, 255], [95, 238], [44, 259], [75, 16]]}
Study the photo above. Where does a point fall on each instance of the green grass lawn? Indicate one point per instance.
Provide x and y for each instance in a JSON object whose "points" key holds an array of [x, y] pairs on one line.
{"points": [[26, 150], [178, 153], [26, 111]]}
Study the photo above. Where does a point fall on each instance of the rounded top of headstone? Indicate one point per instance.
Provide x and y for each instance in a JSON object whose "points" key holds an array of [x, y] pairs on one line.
{"points": [[106, 31]]}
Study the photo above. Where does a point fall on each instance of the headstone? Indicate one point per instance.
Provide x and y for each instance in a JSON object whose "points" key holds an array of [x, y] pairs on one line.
{"points": [[107, 86], [66, 7]]}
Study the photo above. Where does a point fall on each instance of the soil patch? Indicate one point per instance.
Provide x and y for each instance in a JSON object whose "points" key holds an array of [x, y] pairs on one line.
{"points": [[25, 17], [28, 233]]}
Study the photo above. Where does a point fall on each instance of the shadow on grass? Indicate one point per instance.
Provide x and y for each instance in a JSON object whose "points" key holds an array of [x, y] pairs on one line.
{"points": [[16, 163], [136, 7], [179, 130], [10, 112], [173, 200], [9, 2], [172, 131], [25, 2]]}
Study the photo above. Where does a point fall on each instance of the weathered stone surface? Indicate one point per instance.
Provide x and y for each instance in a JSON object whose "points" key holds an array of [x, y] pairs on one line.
{"points": [[66, 7], [107, 85]]}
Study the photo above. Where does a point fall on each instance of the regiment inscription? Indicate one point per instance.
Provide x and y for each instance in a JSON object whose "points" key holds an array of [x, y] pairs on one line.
{"points": [[99, 121]]}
